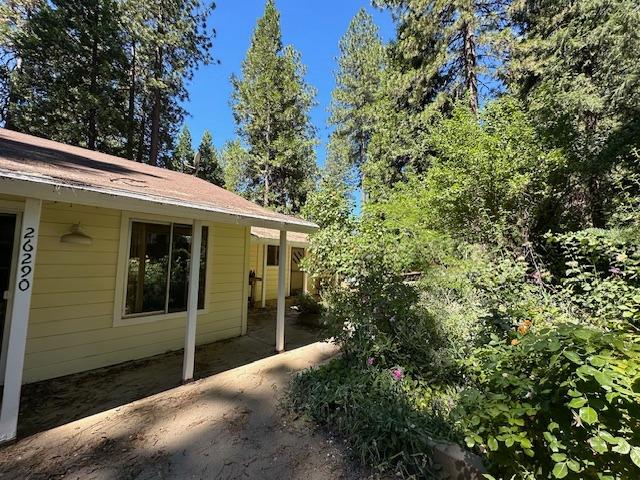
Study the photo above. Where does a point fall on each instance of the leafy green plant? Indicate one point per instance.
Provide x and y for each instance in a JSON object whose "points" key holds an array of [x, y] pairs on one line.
{"points": [[560, 402], [388, 418], [600, 270], [308, 304]]}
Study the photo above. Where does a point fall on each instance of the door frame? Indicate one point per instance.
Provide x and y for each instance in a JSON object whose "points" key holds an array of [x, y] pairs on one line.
{"points": [[10, 208]]}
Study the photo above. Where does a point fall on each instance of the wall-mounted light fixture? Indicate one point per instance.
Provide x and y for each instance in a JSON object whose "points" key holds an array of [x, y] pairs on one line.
{"points": [[77, 236]]}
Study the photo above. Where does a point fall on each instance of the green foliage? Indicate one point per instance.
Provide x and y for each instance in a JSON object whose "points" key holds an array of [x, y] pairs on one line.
{"points": [[625, 203], [382, 415], [536, 337], [485, 183], [271, 104], [555, 403], [600, 270], [209, 168], [103, 74], [183, 153], [308, 304], [329, 206], [573, 68], [488, 178]]}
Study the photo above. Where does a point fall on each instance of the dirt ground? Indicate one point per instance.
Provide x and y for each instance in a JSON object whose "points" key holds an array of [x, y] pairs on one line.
{"points": [[227, 426], [51, 403]]}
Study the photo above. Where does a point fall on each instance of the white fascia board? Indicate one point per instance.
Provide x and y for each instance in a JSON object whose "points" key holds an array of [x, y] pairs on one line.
{"points": [[12, 183]]}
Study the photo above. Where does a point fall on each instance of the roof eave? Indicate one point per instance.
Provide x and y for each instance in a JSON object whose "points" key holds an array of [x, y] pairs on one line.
{"points": [[12, 183]]}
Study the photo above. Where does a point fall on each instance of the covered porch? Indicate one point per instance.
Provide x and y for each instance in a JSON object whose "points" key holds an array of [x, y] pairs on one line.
{"points": [[153, 223], [51, 403]]}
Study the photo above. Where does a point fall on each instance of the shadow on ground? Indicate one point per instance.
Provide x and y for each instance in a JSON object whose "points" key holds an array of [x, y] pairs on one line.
{"points": [[51, 403], [226, 426]]}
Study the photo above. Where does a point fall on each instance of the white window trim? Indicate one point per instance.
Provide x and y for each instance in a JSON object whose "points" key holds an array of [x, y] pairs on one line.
{"points": [[119, 317]]}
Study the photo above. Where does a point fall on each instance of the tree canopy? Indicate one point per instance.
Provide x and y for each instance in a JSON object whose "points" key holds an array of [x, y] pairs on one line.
{"points": [[271, 104]]}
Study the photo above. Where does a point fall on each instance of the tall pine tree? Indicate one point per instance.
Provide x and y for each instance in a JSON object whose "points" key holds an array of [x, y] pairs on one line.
{"points": [[358, 77], [182, 158], [271, 104], [577, 67], [209, 168], [72, 67], [446, 49], [166, 41]]}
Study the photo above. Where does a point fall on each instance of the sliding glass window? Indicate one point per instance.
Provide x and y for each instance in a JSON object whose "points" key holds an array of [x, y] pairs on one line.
{"points": [[158, 268]]}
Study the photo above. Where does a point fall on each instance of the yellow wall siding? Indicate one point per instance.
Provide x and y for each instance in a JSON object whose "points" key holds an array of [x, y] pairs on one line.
{"points": [[71, 323], [255, 264]]}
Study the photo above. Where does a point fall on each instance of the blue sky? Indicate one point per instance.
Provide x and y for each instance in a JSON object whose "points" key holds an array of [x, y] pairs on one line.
{"points": [[312, 27]]}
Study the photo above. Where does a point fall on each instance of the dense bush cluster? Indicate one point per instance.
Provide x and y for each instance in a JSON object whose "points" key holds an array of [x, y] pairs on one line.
{"points": [[531, 361], [488, 290]]}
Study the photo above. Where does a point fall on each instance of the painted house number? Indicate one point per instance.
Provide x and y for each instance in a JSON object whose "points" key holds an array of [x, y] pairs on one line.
{"points": [[26, 264]]}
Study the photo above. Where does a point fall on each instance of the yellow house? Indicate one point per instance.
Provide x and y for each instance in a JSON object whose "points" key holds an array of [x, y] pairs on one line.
{"points": [[263, 265], [95, 263]]}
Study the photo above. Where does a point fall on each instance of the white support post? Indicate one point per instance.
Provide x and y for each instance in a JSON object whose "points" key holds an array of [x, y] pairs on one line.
{"points": [[263, 287], [282, 276], [247, 290], [305, 278], [19, 319], [289, 265], [192, 304]]}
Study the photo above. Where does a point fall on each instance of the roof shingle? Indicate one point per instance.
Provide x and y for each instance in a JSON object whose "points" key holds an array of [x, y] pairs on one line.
{"points": [[59, 164]]}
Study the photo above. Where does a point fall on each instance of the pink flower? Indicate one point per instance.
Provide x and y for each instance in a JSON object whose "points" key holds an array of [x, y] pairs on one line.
{"points": [[397, 373], [371, 361]]}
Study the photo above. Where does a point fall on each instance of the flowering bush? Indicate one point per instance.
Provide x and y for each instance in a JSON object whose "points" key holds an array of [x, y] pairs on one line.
{"points": [[388, 418]]}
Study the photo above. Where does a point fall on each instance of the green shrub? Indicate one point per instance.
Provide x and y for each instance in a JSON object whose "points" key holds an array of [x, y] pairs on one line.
{"points": [[561, 402], [600, 270], [387, 418], [308, 304]]}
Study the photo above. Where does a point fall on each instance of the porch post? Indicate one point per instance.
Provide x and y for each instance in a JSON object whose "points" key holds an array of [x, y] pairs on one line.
{"points": [[19, 319], [265, 250], [305, 278], [282, 274], [192, 303]]}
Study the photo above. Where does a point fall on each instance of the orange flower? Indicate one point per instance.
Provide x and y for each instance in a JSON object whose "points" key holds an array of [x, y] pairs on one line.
{"points": [[524, 327], [515, 342]]}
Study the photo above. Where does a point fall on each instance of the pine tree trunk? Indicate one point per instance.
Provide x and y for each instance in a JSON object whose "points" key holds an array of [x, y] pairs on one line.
{"points": [[92, 129], [596, 201], [265, 193], [155, 113], [470, 65], [143, 131], [132, 104], [12, 97]]}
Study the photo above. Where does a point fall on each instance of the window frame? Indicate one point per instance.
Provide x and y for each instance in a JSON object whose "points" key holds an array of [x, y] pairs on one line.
{"points": [[120, 318]]}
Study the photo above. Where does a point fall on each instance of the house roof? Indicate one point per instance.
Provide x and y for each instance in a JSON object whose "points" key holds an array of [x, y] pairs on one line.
{"points": [[269, 235], [33, 166]]}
